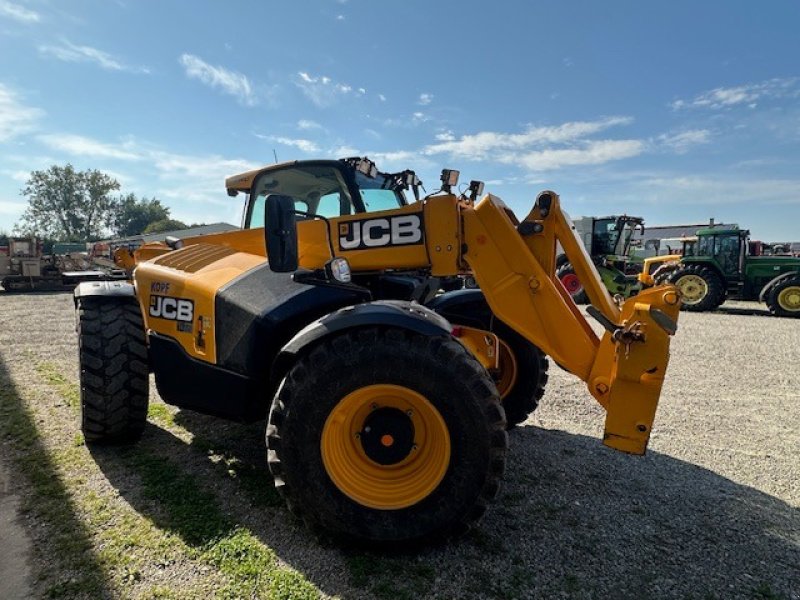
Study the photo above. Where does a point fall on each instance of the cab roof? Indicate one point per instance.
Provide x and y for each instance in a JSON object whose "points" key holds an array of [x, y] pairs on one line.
{"points": [[722, 231], [244, 181]]}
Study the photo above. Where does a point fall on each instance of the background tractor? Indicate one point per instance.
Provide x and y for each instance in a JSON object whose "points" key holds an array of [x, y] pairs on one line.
{"points": [[608, 242], [389, 400], [721, 264]]}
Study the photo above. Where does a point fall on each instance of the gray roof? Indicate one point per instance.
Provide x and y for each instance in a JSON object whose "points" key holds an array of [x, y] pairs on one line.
{"points": [[180, 234]]}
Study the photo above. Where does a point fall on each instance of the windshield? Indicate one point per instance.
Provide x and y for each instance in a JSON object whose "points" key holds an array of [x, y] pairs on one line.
{"points": [[378, 193], [320, 190]]}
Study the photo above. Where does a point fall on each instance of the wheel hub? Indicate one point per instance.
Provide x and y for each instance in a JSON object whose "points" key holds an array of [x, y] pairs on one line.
{"points": [[385, 446], [387, 436], [571, 283], [789, 298], [693, 288]]}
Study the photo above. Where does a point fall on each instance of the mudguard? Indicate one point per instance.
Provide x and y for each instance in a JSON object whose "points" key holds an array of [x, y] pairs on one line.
{"points": [[466, 307], [773, 282], [116, 289], [391, 313]]}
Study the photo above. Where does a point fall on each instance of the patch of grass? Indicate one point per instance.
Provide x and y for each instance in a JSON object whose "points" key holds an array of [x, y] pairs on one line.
{"points": [[67, 390], [161, 414], [765, 592], [182, 508], [48, 500], [388, 577]]}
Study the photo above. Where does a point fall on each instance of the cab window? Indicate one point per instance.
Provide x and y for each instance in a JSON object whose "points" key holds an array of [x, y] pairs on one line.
{"points": [[317, 190], [378, 193]]}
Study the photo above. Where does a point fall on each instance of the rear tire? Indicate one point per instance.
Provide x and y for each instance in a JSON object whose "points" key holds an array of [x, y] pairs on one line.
{"points": [[784, 299], [113, 370], [323, 457], [566, 274], [529, 381], [701, 288]]}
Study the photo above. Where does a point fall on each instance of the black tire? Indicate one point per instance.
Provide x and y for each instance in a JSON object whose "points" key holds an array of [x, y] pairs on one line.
{"points": [[113, 370], [662, 274], [782, 299], [578, 294], [714, 294], [438, 368], [531, 378]]}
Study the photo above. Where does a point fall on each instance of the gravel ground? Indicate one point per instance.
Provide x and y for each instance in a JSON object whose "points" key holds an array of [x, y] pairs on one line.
{"points": [[712, 511]]}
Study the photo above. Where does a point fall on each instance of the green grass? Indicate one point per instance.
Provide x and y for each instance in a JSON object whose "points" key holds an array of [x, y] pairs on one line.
{"points": [[182, 519]]}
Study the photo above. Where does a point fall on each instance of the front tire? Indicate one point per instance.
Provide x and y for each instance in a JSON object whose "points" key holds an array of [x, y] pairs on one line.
{"points": [[784, 299], [701, 288], [114, 384], [387, 437]]}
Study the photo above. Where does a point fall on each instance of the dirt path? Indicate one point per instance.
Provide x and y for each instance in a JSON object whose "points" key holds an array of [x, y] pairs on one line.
{"points": [[14, 567]]}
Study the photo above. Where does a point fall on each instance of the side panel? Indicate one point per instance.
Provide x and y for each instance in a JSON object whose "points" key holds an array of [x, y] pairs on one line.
{"points": [[257, 313]]}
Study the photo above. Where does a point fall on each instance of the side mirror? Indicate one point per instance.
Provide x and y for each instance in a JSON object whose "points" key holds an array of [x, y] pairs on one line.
{"points": [[280, 233]]}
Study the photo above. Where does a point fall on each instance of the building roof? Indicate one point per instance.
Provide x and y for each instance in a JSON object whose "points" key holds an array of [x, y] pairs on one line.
{"points": [[180, 234]]}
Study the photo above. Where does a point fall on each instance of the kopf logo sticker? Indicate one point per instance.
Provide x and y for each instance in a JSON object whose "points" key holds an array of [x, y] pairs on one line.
{"points": [[400, 230], [173, 309]]}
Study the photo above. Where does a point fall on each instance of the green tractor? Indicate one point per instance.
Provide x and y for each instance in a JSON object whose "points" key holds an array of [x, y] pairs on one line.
{"points": [[723, 264], [608, 241]]}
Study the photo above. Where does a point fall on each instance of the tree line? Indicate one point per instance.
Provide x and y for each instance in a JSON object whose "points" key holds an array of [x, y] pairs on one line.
{"points": [[77, 206]]}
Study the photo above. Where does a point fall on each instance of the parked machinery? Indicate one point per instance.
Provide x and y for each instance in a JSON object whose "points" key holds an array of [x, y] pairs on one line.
{"points": [[608, 241], [387, 417], [724, 264]]}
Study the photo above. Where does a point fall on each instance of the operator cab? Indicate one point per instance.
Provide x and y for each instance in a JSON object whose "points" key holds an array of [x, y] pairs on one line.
{"points": [[611, 236], [324, 188]]}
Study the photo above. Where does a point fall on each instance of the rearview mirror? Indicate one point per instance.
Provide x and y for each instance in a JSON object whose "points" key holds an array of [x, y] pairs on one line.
{"points": [[280, 233]]}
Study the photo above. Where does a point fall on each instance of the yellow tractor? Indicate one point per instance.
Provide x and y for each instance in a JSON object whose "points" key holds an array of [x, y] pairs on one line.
{"points": [[386, 401]]}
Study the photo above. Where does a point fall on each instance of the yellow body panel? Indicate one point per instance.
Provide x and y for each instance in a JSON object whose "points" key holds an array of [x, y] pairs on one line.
{"points": [[646, 276], [198, 286]]}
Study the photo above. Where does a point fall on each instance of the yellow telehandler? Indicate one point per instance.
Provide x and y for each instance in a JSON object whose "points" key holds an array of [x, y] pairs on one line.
{"points": [[386, 401]]}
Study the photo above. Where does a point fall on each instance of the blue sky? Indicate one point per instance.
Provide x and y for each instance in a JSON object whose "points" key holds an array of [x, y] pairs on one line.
{"points": [[675, 111]]}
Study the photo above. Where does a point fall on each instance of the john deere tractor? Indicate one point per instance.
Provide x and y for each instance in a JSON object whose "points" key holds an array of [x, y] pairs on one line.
{"points": [[608, 242], [386, 401], [720, 264]]}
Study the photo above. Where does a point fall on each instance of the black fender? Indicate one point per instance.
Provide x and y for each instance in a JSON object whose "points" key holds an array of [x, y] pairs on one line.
{"points": [[467, 307], [775, 281], [390, 313], [108, 289]]}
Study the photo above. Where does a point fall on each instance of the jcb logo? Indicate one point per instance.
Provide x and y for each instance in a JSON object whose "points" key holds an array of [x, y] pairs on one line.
{"points": [[174, 309], [401, 230]]}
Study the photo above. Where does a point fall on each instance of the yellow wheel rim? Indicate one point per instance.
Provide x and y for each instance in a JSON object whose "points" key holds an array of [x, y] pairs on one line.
{"points": [[507, 372], [789, 298], [693, 288], [372, 424]]}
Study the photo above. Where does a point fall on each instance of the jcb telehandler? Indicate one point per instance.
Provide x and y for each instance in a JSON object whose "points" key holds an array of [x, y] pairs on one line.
{"points": [[385, 401]]}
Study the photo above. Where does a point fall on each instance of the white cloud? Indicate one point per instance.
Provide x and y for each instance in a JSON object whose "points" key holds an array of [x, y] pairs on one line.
{"points": [[306, 146], [18, 13], [748, 94], [381, 97], [322, 90], [307, 124], [69, 52], [717, 190], [420, 117], [79, 145], [683, 141], [15, 118], [445, 136], [425, 99], [483, 145], [229, 82], [344, 151], [592, 153], [340, 17]]}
